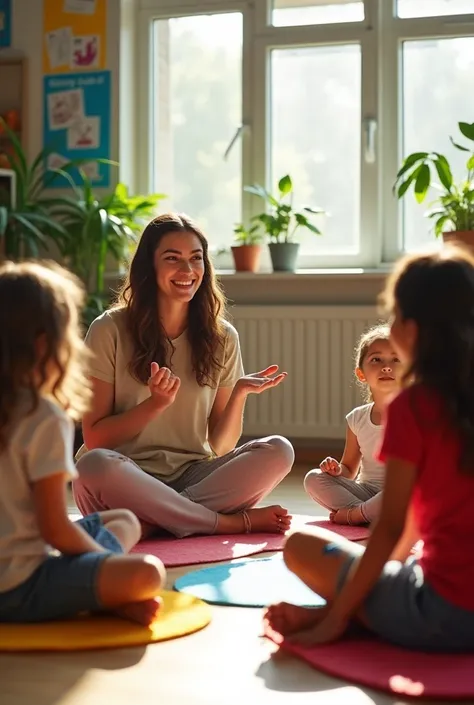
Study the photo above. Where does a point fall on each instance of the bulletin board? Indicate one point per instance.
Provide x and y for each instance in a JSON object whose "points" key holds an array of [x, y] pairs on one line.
{"points": [[74, 35]]}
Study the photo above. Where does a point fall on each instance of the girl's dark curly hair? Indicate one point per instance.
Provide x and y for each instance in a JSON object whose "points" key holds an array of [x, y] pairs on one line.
{"points": [[40, 337], [139, 296], [436, 291]]}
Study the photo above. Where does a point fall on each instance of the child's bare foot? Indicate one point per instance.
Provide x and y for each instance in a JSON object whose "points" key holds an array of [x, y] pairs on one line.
{"points": [[142, 612], [274, 519], [286, 619], [342, 516]]}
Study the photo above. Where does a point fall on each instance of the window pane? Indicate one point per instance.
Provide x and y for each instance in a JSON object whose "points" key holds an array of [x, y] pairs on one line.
{"points": [[316, 108], [431, 116], [289, 13], [197, 109], [434, 8]]}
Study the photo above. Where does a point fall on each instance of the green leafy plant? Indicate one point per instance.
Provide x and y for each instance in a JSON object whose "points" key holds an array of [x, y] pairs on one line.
{"points": [[26, 225], [454, 208], [247, 236], [97, 227], [134, 211], [281, 222]]}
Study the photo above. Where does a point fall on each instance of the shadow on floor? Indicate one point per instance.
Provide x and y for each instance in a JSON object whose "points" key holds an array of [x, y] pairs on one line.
{"points": [[63, 673]]}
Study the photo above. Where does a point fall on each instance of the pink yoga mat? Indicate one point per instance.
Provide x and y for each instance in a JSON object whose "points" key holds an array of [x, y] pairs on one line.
{"points": [[376, 664], [210, 549]]}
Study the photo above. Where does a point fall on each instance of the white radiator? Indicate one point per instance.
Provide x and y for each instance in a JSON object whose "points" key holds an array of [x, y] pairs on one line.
{"points": [[315, 345]]}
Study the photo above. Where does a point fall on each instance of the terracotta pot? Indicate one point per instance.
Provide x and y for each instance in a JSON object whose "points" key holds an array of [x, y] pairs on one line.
{"points": [[461, 237], [247, 257]]}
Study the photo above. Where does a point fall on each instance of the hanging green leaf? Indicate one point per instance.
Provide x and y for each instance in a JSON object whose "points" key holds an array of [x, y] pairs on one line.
{"points": [[422, 183], [467, 129], [285, 185]]}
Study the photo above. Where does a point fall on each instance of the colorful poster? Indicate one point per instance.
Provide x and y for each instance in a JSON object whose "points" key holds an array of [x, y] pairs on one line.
{"points": [[77, 123], [5, 23], [74, 35]]}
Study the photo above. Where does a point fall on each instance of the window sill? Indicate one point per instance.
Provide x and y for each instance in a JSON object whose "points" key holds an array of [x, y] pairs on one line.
{"points": [[305, 287], [349, 273]]}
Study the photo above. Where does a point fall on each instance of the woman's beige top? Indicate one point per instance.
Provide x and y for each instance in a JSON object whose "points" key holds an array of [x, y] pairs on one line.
{"points": [[177, 436]]}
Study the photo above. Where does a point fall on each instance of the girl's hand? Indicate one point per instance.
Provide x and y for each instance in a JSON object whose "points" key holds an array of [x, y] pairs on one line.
{"points": [[331, 466], [331, 628], [163, 386], [258, 382]]}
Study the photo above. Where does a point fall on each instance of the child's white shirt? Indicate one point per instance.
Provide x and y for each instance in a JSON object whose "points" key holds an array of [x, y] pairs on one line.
{"points": [[40, 444], [369, 438]]}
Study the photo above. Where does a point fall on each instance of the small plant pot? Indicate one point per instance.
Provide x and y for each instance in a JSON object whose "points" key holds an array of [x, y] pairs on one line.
{"points": [[247, 257], [284, 255], [461, 237]]}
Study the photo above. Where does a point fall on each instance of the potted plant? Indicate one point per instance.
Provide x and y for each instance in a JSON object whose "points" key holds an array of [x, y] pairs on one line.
{"points": [[247, 249], [98, 228], [26, 223], [281, 223], [453, 213]]}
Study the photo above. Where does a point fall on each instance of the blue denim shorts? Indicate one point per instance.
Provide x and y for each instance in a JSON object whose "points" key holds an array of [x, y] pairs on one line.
{"points": [[404, 609], [62, 586]]}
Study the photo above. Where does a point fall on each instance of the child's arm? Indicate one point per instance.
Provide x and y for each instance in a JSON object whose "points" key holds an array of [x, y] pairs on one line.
{"points": [[349, 465], [400, 480], [56, 528], [350, 460], [408, 539]]}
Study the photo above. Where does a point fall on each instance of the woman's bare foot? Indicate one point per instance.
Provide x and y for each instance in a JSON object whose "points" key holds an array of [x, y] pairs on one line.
{"points": [[274, 519], [341, 516], [285, 618], [142, 612]]}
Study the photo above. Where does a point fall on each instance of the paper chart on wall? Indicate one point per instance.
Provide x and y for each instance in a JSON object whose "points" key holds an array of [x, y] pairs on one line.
{"points": [[77, 124], [74, 35], [80, 7]]}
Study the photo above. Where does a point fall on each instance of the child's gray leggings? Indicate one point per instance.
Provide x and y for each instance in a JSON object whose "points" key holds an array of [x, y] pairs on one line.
{"points": [[337, 492]]}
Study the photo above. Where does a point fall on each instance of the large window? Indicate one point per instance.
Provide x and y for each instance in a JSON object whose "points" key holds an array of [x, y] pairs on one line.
{"points": [[197, 105], [333, 92], [311, 89], [431, 116]]}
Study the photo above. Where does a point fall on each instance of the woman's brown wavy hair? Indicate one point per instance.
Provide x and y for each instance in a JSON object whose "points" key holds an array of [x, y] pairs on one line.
{"points": [[139, 296], [437, 292], [40, 312]]}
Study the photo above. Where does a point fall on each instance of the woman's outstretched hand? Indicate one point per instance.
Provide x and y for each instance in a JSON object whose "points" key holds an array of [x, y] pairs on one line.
{"points": [[163, 386], [258, 382]]}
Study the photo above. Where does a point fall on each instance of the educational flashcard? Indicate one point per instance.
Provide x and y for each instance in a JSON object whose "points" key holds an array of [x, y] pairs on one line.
{"points": [[65, 109], [56, 161], [59, 45], [84, 134], [85, 52], [91, 170], [80, 7]]}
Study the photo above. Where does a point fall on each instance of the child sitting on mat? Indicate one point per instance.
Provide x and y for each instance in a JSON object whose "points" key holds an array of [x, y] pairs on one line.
{"points": [[424, 603], [42, 388], [334, 485]]}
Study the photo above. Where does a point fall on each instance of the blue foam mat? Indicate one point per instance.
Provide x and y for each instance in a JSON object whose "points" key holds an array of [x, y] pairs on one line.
{"points": [[250, 583]]}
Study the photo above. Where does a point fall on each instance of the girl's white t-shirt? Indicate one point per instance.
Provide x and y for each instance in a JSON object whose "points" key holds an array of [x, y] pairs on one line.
{"points": [[369, 437]]}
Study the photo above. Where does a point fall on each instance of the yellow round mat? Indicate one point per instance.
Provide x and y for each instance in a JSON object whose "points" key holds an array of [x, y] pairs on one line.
{"points": [[180, 615]]}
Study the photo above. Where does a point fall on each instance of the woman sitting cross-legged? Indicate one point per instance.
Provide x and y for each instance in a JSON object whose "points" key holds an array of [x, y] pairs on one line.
{"points": [[169, 393]]}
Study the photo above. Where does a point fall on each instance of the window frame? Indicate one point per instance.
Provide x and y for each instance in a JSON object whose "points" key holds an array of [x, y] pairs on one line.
{"points": [[381, 100]]}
